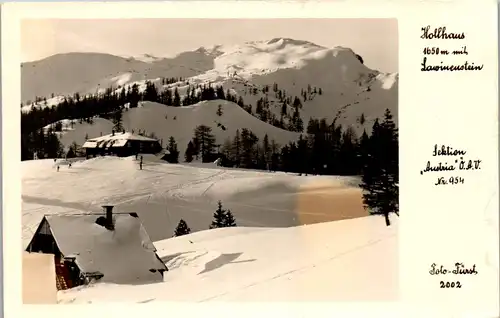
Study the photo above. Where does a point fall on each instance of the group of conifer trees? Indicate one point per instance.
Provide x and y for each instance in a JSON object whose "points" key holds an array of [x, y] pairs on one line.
{"points": [[326, 149], [221, 218], [111, 103]]}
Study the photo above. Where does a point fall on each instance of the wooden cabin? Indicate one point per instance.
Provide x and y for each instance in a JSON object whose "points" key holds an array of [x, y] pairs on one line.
{"points": [[122, 144], [113, 248]]}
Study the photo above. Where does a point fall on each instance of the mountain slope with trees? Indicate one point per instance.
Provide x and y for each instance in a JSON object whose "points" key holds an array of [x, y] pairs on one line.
{"points": [[162, 122], [281, 81]]}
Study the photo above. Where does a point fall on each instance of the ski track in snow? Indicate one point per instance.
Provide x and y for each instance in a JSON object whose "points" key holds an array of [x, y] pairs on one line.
{"points": [[119, 181]]}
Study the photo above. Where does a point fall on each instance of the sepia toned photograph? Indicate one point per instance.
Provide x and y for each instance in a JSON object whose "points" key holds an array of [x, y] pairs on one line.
{"points": [[209, 160]]}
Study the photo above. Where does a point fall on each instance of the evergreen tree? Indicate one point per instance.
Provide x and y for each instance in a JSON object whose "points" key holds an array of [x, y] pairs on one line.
{"points": [[150, 94], [241, 103], [182, 228], [134, 96], [190, 152], [219, 109], [123, 96], [380, 180], [168, 97], [362, 119], [297, 123], [248, 148], [173, 156], [196, 146], [117, 121], [51, 146], [302, 155], [206, 141], [220, 92], [266, 150], [73, 149], [219, 217], [236, 148], [229, 219], [362, 151], [177, 98], [187, 98], [348, 155], [226, 151], [58, 126], [297, 103], [284, 108], [259, 108]]}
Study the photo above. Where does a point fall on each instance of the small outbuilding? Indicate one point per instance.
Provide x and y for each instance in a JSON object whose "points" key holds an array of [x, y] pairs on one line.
{"points": [[112, 248], [122, 144]]}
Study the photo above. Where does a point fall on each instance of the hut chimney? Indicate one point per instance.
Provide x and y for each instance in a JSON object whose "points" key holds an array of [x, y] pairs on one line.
{"points": [[108, 209]]}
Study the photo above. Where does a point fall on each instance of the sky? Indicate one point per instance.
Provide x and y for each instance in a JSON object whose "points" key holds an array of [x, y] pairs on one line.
{"points": [[376, 40]]}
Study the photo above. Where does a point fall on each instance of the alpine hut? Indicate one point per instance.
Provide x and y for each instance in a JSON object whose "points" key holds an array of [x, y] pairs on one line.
{"points": [[121, 144], [113, 248]]}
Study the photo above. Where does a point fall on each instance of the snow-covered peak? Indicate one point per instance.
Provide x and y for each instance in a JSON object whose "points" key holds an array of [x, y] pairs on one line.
{"points": [[147, 58], [275, 44], [287, 41], [268, 46], [264, 57]]}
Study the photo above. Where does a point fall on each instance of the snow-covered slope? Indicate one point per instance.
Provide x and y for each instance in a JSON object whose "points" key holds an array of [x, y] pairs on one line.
{"points": [[259, 57], [348, 260], [180, 122], [164, 193], [348, 87]]}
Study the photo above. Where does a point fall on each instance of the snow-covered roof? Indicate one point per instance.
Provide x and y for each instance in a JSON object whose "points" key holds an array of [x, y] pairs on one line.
{"points": [[125, 255], [118, 139]]}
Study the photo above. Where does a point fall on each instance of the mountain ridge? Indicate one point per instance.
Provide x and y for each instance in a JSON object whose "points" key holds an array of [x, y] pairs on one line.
{"points": [[185, 64], [272, 80]]}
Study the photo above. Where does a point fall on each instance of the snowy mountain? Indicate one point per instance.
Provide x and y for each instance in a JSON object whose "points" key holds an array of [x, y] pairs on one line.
{"points": [[331, 83]]}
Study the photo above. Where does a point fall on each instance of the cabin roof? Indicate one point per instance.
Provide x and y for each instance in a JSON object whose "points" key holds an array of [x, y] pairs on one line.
{"points": [[118, 139], [123, 255]]}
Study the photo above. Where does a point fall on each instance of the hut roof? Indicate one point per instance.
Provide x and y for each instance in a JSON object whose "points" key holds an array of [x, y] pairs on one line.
{"points": [[118, 139]]}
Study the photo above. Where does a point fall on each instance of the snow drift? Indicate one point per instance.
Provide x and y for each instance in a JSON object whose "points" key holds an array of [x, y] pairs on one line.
{"points": [[350, 260]]}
